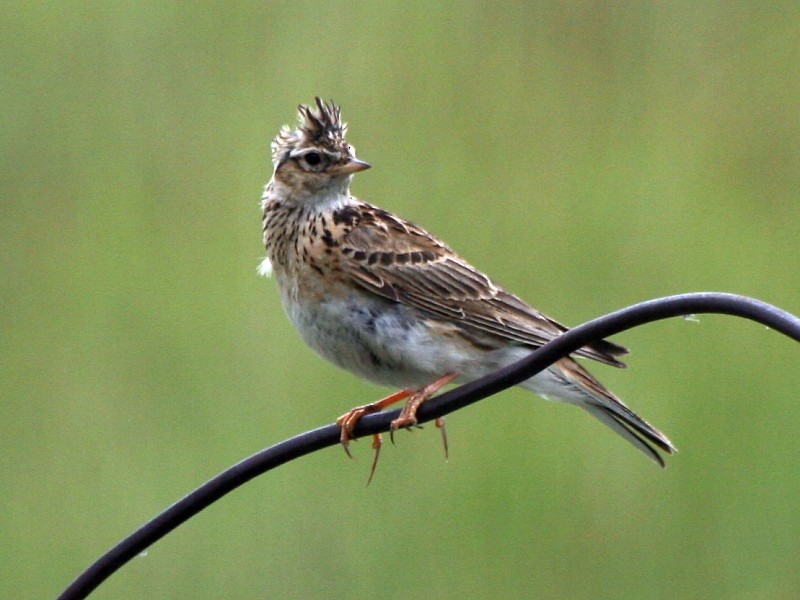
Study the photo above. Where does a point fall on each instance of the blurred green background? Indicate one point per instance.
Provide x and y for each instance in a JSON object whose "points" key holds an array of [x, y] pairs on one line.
{"points": [[587, 155]]}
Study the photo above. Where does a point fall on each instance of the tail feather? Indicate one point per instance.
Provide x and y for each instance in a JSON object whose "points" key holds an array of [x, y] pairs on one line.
{"points": [[631, 431], [594, 398]]}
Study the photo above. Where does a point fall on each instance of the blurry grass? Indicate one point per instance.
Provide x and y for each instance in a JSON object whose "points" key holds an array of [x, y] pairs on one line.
{"points": [[587, 156]]}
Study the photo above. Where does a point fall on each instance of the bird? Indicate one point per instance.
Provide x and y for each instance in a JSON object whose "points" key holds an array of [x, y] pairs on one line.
{"points": [[380, 297]]}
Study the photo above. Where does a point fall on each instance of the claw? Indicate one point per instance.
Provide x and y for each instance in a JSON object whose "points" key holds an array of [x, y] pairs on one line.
{"points": [[347, 422], [377, 442], [346, 447], [440, 424]]}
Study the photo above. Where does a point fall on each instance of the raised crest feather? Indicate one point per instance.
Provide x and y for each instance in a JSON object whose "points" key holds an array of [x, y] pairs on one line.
{"points": [[321, 125], [325, 123]]}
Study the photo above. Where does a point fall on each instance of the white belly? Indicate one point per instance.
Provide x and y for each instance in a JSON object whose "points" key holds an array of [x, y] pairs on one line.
{"points": [[378, 340]]}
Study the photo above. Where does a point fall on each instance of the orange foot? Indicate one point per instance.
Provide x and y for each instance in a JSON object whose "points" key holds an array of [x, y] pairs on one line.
{"points": [[347, 422], [407, 419], [408, 416]]}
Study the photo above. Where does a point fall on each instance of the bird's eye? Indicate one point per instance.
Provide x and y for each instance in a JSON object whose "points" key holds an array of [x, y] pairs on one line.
{"points": [[313, 159]]}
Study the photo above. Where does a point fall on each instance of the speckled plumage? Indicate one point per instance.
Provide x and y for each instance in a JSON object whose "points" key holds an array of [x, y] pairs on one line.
{"points": [[383, 298]]}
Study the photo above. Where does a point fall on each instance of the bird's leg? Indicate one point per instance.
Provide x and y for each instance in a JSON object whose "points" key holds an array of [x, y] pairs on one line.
{"points": [[347, 422], [408, 416]]}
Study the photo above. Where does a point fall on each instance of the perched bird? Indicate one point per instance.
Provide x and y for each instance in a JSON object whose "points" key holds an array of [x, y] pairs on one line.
{"points": [[380, 297]]}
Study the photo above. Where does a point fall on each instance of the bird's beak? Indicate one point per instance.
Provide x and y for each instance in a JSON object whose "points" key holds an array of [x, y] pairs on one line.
{"points": [[352, 166]]}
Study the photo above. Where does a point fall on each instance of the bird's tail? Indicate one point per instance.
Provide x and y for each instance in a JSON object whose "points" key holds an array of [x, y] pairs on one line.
{"points": [[634, 429], [582, 389]]}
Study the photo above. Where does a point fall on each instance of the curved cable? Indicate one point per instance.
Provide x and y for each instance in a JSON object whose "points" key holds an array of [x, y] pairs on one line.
{"points": [[311, 441]]}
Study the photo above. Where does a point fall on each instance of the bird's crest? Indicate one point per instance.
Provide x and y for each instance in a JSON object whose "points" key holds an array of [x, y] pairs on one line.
{"points": [[320, 127]]}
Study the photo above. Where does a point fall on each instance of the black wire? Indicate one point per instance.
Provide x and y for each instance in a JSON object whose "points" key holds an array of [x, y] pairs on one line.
{"points": [[311, 441]]}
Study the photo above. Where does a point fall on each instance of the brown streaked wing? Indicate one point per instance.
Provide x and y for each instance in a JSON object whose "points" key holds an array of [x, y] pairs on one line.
{"points": [[400, 261]]}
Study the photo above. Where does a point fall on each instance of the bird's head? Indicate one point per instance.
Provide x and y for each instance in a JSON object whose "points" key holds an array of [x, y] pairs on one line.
{"points": [[315, 160]]}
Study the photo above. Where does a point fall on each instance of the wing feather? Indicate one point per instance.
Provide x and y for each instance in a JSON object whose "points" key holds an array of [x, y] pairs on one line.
{"points": [[414, 268]]}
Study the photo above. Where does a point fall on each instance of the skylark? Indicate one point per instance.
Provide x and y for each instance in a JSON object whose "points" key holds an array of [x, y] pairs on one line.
{"points": [[380, 297]]}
